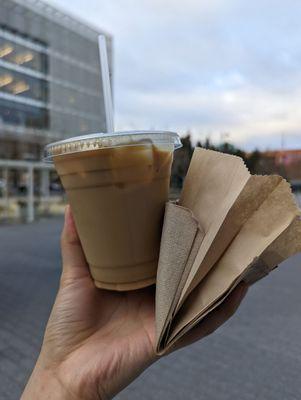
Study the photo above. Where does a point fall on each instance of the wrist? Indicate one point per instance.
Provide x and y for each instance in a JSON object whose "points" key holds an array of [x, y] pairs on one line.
{"points": [[45, 384]]}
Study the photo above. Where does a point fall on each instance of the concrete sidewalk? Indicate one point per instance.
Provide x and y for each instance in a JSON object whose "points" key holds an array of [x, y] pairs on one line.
{"points": [[257, 355]]}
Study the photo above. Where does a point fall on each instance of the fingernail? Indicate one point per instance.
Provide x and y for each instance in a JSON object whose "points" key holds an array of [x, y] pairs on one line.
{"points": [[67, 209], [67, 215]]}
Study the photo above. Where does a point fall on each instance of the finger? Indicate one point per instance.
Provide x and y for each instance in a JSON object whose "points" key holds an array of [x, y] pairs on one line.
{"points": [[74, 261], [217, 318]]}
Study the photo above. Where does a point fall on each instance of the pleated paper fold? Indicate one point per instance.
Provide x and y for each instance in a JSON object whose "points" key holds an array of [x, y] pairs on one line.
{"points": [[229, 226]]}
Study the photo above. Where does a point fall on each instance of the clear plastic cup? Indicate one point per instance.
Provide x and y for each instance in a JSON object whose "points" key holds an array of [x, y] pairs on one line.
{"points": [[117, 186]]}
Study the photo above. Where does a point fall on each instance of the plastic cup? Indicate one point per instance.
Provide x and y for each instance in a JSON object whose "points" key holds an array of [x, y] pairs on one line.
{"points": [[117, 186]]}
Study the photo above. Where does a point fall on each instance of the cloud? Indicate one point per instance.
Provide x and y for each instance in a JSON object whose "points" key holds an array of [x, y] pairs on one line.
{"points": [[210, 66], [249, 114]]}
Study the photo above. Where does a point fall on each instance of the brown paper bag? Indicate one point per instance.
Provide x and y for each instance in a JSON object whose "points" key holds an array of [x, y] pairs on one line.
{"points": [[230, 226]]}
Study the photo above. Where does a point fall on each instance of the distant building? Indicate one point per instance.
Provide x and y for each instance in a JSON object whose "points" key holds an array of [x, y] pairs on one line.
{"points": [[286, 157], [50, 86], [287, 163]]}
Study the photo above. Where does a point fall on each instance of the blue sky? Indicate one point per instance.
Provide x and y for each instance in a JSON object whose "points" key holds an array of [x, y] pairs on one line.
{"points": [[208, 66]]}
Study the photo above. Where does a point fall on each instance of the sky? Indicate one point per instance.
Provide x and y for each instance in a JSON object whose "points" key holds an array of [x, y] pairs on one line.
{"points": [[224, 69]]}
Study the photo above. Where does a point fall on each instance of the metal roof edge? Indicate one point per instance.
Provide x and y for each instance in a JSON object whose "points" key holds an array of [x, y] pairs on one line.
{"points": [[64, 18]]}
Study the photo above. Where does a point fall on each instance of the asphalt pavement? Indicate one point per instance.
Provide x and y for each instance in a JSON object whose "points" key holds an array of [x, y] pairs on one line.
{"points": [[256, 355]]}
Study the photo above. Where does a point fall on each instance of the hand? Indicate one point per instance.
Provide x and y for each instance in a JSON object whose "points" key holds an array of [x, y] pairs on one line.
{"points": [[96, 341]]}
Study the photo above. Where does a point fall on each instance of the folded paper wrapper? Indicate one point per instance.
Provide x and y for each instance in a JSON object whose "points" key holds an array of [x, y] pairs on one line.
{"points": [[229, 226]]}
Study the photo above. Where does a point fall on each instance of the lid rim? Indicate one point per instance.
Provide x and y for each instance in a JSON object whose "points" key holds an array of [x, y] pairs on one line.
{"points": [[106, 135], [104, 140]]}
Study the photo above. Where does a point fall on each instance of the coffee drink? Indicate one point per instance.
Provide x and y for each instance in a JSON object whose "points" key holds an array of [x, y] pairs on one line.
{"points": [[118, 195]]}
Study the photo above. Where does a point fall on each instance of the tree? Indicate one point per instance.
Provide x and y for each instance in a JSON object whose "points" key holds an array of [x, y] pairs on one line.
{"points": [[253, 161]]}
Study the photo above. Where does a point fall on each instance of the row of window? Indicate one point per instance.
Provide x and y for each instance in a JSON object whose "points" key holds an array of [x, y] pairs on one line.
{"points": [[35, 60], [71, 125], [22, 85], [19, 84], [23, 56], [13, 113], [31, 25]]}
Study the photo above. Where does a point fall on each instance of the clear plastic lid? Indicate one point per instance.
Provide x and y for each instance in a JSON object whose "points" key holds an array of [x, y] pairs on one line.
{"points": [[106, 140]]}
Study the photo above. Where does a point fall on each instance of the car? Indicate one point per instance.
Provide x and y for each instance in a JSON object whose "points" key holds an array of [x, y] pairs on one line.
{"points": [[56, 187], [2, 184]]}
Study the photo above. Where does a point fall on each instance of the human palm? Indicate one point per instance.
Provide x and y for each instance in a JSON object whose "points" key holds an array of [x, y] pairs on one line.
{"points": [[94, 335], [98, 341], [95, 348]]}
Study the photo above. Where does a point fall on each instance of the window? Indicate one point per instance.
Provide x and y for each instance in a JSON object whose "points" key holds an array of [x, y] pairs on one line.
{"points": [[23, 56], [14, 113], [21, 85]]}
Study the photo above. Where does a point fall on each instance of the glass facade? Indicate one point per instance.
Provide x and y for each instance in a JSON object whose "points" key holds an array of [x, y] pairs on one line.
{"points": [[50, 82], [23, 56], [23, 115], [23, 85]]}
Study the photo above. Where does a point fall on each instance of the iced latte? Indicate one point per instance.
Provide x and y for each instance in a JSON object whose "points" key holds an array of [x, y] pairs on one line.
{"points": [[117, 186]]}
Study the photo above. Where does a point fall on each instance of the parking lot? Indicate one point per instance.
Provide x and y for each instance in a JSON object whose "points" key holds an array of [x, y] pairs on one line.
{"points": [[256, 355]]}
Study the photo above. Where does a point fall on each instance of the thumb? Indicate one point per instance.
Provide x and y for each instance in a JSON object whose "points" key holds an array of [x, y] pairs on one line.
{"points": [[74, 262]]}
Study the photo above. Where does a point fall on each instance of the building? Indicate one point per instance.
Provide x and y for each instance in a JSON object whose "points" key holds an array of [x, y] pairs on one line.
{"points": [[287, 163], [285, 157], [50, 84]]}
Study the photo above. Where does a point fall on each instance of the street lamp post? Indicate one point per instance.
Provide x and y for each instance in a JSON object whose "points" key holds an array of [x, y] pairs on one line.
{"points": [[30, 195], [5, 192]]}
